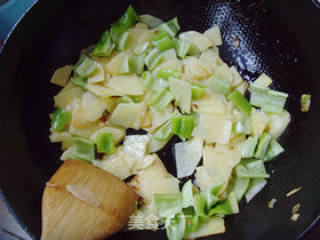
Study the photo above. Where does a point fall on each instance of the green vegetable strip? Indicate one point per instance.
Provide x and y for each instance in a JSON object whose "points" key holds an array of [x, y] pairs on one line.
{"points": [[239, 186], [268, 100], [105, 46], [256, 185], [60, 119], [85, 66], [132, 64], [223, 208], [251, 169], [259, 95], [186, 128], [276, 103], [263, 146], [166, 131], [221, 85], [123, 41], [240, 102], [156, 98], [124, 99], [80, 81], [181, 126], [176, 227], [163, 41], [249, 147], [105, 143], [139, 63], [212, 196], [182, 48], [194, 224], [305, 102], [141, 48], [171, 27], [127, 65], [197, 91], [170, 128], [165, 73], [84, 149], [147, 80], [129, 18], [164, 101], [153, 59], [273, 150], [187, 194], [200, 205], [167, 204], [176, 124]]}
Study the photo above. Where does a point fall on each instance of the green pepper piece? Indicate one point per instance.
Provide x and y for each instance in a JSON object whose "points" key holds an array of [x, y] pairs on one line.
{"points": [[60, 119]]}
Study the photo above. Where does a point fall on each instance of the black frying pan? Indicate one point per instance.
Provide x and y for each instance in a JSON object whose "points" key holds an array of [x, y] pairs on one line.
{"points": [[280, 38]]}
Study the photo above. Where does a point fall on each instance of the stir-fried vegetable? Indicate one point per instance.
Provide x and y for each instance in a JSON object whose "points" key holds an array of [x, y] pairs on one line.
{"points": [[144, 75]]}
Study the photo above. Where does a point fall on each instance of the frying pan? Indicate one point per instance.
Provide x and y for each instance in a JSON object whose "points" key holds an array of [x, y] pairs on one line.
{"points": [[280, 38]]}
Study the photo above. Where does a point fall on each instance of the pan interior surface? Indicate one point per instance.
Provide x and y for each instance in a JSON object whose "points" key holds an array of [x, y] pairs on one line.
{"points": [[276, 40]]}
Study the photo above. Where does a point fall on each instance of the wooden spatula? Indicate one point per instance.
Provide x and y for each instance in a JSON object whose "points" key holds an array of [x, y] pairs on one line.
{"points": [[84, 202]]}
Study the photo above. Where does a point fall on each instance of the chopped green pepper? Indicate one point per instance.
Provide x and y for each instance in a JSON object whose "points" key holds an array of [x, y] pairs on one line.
{"points": [[83, 149], [105, 46], [163, 41], [129, 18], [85, 66], [305, 102], [105, 143], [197, 90], [182, 48], [263, 145], [186, 128], [240, 102], [251, 169], [171, 27], [80, 81], [60, 119], [165, 73]]}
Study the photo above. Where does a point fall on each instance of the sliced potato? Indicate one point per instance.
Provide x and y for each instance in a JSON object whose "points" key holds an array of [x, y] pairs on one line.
{"points": [[114, 164], [219, 162], [102, 91], [159, 117], [87, 131], [213, 130], [61, 75], [127, 85], [169, 54], [195, 68], [134, 151], [200, 42], [181, 91], [278, 123], [170, 64], [211, 103], [237, 79], [128, 115], [138, 36], [69, 93], [64, 137], [114, 65], [214, 35], [212, 58], [259, 121], [98, 75]]}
